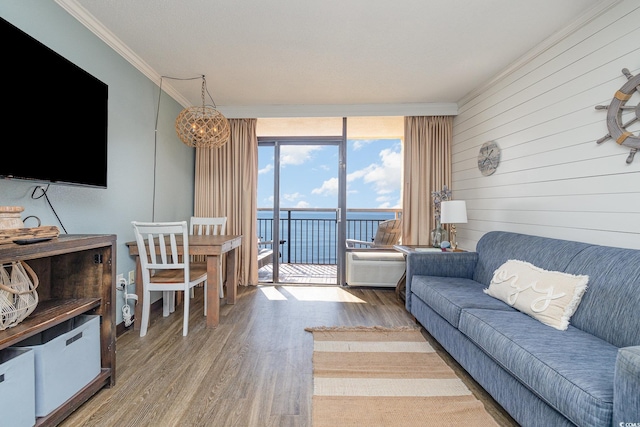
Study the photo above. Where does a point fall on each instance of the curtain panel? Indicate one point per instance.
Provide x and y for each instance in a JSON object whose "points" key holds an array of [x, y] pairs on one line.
{"points": [[226, 182], [427, 168]]}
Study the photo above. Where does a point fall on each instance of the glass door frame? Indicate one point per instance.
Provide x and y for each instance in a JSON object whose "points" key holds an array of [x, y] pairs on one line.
{"points": [[341, 143]]}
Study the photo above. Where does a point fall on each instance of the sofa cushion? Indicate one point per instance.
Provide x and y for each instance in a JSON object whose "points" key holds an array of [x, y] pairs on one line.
{"points": [[447, 296], [497, 247], [626, 404], [571, 370], [548, 296], [610, 307]]}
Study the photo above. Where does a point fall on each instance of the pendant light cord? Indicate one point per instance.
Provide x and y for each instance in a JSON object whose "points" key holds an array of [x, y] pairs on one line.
{"points": [[155, 136]]}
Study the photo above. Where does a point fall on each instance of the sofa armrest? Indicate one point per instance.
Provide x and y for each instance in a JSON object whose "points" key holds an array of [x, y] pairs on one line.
{"points": [[626, 387], [441, 264]]}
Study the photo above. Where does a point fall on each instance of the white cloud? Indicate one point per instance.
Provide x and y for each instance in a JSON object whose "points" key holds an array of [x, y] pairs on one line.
{"points": [[386, 176], [296, 154], [384, 202], [302, 204], [292, 197], [267, 168], [328, 188], [359, 144], [357, 174]]}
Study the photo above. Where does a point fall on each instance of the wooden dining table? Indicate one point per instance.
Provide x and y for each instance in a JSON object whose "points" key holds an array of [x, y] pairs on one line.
{"points": [[212, 248]]}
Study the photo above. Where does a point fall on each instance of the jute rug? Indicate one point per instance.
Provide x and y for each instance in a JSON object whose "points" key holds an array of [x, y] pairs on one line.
{"points": [[387, 377]]}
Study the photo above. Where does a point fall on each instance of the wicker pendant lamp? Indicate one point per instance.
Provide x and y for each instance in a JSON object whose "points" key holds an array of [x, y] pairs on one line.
{"points": [[203, 126]]}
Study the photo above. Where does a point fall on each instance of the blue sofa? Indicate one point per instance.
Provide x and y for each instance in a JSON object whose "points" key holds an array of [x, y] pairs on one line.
{"points": [[587, 375]]}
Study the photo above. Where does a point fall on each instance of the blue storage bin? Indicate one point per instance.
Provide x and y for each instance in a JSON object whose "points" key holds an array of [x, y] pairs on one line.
{"points": [[17, 387], [66, 358]]}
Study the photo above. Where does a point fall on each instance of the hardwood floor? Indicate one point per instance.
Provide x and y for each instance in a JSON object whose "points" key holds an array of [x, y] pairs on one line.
{"points": [[254, 369]]}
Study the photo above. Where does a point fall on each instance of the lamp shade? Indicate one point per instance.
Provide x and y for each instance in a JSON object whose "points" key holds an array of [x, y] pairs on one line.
{"points": [[202, 127], [453, 212]]}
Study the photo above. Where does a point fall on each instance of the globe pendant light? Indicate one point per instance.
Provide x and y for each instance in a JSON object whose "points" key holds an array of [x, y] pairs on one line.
{"points": [[202, 127]]}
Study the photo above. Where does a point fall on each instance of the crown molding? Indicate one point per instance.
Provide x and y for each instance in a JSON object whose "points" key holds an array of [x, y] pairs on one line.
{"points": [[85, 18], [411, 109], [588, 16]]}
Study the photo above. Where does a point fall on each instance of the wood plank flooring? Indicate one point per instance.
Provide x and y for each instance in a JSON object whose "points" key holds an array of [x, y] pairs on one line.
{"points": [[254, 369]]}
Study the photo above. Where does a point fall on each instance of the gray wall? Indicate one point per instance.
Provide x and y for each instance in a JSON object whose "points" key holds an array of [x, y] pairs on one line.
{"points": [[133, 101], [554, 180]]}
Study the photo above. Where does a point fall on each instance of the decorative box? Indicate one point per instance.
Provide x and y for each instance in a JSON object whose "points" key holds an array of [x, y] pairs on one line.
{"points": [[17, 387], [67, 357]]}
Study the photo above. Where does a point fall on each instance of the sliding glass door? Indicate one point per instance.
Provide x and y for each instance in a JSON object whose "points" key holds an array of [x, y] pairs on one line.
{"points": [[301, 199], [303, 183]]}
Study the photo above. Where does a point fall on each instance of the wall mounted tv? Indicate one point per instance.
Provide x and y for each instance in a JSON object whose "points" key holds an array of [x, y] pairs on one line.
{"points": [[54, 122]]}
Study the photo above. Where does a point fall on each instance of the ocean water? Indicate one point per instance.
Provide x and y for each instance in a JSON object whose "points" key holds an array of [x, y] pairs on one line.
{"points": [[311, 237]]}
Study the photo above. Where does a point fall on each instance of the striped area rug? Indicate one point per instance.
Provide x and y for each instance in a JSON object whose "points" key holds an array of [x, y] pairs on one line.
{"points": [[387, 377]]}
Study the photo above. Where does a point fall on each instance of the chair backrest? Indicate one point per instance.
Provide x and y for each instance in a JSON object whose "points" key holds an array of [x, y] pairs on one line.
{"points": [[158, 244], [388, 233], [208, 225]]}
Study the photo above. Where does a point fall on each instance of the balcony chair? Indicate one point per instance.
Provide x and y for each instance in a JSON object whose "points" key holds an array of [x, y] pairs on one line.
{"points": [[376, 263], [265, 253], [199, 225], [163, 269]]}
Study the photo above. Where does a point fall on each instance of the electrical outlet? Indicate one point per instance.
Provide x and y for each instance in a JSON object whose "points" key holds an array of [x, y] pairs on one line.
{"points": [[132, 276], [119, 279]]}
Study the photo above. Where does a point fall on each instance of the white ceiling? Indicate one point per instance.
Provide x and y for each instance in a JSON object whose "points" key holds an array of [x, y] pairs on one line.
{"points": [[279, 57]]}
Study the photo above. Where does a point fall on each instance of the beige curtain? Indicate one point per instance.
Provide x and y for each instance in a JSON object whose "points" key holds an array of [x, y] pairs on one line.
{"points": [[226, 181], [427, 168]]}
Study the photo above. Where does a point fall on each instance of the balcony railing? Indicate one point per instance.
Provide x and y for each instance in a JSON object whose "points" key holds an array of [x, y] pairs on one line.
{"points": [[309, 236]]}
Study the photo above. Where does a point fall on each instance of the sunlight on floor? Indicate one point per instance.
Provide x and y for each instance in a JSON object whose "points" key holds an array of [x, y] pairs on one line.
{"points": [[310, 293], [272, 293]]}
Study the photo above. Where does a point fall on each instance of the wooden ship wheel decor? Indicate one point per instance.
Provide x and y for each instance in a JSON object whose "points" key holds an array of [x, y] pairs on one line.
{"points": [[620, 127]]}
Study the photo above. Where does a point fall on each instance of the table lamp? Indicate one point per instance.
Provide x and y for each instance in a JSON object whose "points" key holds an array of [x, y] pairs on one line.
{"points": [[453, 212]]}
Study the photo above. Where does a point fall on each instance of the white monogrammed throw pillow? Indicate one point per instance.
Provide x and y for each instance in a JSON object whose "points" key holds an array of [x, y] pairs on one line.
{"points": [[548, 296]]}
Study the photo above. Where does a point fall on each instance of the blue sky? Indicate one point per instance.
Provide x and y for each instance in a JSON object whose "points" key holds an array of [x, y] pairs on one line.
{"points": [[309, 175]]}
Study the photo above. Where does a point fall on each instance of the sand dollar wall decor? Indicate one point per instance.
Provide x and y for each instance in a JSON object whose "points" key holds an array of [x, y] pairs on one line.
{"points": [[489, 158]]}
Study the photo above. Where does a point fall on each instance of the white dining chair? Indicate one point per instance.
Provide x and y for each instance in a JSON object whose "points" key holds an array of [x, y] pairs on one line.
{"points": [[199, 225], [164, 269]]}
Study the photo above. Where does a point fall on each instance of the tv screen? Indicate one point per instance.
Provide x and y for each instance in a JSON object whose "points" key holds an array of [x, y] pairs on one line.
{"points": [[54, 118]]}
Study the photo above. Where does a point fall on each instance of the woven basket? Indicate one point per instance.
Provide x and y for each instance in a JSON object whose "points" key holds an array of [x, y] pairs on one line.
{"points": [[18, 295]]}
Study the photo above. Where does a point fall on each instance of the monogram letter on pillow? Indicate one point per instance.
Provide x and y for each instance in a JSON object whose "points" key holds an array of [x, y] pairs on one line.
{"points": [[548, 296]]}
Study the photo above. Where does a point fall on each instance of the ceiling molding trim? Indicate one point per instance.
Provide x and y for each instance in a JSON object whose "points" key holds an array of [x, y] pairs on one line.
{"points": [[588, 16], [337, 110], [258, 111], [85, 18]]}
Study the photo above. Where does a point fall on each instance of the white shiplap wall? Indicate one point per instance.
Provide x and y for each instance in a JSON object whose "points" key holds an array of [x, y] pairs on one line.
{"points": [[554, 180]]}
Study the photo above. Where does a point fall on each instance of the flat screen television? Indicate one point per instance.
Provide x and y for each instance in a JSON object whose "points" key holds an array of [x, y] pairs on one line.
{"points": [[54, 120]]}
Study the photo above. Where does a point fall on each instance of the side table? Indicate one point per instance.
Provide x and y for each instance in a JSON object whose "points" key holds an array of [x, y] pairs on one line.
{"points": [[406, 250]]}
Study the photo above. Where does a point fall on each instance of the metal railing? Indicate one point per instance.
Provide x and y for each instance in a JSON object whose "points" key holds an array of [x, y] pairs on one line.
{"points": [[309, 236]]}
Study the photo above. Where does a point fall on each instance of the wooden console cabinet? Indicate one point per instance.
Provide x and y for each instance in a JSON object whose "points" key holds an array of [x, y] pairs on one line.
{"points": [[77, 276]]}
